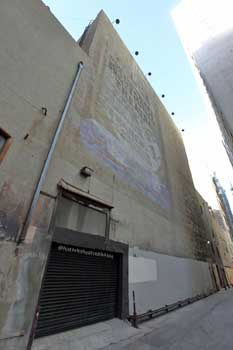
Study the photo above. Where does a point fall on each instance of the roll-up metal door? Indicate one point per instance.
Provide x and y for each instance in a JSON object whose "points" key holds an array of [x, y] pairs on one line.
{"points": [[79, 288]]}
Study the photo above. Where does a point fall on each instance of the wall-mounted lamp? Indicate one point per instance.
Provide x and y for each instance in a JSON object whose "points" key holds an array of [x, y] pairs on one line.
{"points": [[208, 242], [86, 172], [44, 110]]}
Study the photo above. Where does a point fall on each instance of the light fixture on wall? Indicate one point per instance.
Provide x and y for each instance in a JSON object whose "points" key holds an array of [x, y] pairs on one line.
{"points": [[86, 172], [44, 110]]}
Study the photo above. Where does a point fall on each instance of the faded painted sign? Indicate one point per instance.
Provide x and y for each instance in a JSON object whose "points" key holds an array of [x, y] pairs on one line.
{"points": [[128, 138], [123, 161]]}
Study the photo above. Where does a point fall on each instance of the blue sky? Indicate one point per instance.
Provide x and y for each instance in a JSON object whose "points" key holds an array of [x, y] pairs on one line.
{"points": [[147, 26]]}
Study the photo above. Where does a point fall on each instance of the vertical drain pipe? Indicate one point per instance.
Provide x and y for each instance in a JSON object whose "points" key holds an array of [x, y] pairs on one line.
{"points": [[44, 170]]}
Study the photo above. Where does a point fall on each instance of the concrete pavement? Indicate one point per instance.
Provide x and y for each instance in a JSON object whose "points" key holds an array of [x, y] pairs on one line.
{"points": [[94, 337], [206, 324]]}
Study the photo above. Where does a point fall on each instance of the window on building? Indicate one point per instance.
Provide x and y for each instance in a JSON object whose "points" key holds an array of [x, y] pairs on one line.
{"points": [[81, 217], [5, 141]]}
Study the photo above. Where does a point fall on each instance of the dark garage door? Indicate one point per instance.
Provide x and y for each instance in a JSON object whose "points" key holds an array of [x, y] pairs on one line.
{"points": [[79, 288]]}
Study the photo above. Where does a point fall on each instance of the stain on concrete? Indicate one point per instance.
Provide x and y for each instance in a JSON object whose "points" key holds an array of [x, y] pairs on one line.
{"points": [[12, 211]]}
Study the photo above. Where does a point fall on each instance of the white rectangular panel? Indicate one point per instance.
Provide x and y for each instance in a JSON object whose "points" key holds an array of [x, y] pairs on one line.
{"points": [[142, 269]]}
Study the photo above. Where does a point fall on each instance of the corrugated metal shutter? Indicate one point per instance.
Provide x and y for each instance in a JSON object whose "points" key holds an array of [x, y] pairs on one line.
{"points": [[79, 288]]}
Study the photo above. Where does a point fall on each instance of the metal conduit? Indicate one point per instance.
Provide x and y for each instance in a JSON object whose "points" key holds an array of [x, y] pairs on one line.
{"points": [[44, 170]]}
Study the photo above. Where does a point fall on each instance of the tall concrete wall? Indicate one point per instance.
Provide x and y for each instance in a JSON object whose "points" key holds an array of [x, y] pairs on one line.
{"points": [[116, 125], [142, 153], [114, 101], [37, 65]]}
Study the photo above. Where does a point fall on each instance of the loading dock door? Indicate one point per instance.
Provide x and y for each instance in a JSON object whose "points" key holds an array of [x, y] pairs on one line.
{"points": [[79, 288]]}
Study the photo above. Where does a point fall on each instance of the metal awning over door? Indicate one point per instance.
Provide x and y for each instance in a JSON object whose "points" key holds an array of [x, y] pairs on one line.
{"points": [[80, 287]]}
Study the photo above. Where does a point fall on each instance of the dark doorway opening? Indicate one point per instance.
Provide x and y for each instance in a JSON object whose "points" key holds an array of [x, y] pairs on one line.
{"points": [[81, 286]]}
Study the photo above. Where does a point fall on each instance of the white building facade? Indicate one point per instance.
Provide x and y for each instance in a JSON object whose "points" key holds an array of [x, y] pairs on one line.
{"points": [[206, 31]]}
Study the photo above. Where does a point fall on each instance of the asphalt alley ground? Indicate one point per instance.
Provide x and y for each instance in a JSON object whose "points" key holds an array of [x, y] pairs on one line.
{"points": [[206, 324]]}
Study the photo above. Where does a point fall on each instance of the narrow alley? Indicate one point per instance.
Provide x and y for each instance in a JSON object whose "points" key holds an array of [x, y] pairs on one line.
{"points": [[206, 324]]}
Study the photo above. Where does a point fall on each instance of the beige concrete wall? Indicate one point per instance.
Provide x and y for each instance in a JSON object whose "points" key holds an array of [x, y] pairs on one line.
{"points": [[114, 101], [38, 61], [116, 125], [124, 110]]}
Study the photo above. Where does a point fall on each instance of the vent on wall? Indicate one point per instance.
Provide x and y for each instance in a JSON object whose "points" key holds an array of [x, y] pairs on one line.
{"points": [[5, 142]]}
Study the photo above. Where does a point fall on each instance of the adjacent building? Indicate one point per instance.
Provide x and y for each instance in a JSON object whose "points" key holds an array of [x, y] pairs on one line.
{"points": [[224, 205], [206, 31], [97, 198], [222, 246]]}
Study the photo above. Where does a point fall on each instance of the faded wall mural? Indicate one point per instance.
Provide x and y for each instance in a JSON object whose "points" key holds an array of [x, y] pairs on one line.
{"points": [[129, 141], [124, 161]]}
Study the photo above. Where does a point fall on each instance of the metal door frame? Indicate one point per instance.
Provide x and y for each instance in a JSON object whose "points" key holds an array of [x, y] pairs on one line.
{"points": [[85, 240], [90, 241]]}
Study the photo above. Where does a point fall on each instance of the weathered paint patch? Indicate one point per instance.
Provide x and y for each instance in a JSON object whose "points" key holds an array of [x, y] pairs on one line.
{"points": [[122, 161], [12, 210]]}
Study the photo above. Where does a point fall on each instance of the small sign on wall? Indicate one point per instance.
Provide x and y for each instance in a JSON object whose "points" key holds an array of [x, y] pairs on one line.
{"points": [[142, 270]]}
